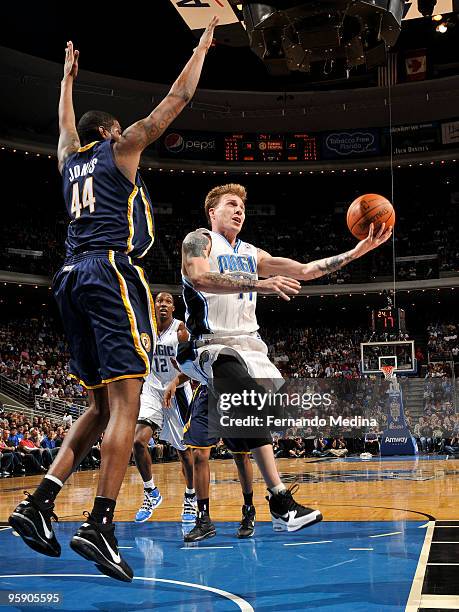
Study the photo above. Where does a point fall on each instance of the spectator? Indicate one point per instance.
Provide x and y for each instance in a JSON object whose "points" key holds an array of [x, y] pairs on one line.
{"points": [[452, 447], [372, 443], [321, 446], [299, 448], [67, 419], [339, 448], [28, 448]]}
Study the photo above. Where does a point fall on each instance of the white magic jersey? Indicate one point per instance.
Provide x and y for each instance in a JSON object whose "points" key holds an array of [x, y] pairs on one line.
{"points": [[223, 315], [162, 368]]}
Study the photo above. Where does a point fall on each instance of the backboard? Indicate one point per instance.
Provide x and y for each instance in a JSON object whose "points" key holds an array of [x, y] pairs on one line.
{"points": [[399, 353]]}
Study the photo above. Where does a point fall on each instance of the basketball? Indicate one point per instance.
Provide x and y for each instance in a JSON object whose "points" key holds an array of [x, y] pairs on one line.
{"points": [[367, 209]]}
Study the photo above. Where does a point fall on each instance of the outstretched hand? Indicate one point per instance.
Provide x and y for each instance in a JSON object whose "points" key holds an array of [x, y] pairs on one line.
{"points": [[207, 37], [373, 241], [283, 286], [71, 61]]}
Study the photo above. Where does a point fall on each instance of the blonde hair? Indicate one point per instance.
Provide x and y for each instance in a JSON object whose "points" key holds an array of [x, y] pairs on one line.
{"points": [[214, 195]]}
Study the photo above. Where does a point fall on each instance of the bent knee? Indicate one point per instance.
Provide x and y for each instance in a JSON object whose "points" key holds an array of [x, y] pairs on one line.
{"points": [[139, 444], [201, 455]]}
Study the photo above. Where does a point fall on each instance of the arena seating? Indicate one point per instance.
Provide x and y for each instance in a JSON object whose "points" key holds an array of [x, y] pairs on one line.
{"points": [[33, 237]]}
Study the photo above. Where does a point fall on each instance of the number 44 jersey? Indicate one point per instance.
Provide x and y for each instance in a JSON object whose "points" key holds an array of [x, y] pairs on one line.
{"points": [[163, 370], [107, 211]]}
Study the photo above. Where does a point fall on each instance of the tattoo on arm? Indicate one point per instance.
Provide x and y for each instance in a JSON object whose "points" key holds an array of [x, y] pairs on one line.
{"points": [[195, 245], [224, 281], [155, 125], [332, 264]]}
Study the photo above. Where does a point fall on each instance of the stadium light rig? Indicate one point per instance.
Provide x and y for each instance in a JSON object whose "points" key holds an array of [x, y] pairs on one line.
{"points": [[295, 35]]}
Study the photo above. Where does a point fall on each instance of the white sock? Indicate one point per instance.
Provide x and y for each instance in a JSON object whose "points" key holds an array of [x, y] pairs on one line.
{"points": [[149, 485], [277, 489], [189, 491], [54, 479]]}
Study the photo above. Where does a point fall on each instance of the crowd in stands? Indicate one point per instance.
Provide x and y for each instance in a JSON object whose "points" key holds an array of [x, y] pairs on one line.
{"points": [[41, 248], [280, 219], [34, 355], [305, 352], [439, 424], [443, 342], [28, 445]]}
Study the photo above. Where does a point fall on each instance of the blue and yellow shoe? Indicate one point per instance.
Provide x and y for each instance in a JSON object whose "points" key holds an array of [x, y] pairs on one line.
{"points": [[151, 500]]}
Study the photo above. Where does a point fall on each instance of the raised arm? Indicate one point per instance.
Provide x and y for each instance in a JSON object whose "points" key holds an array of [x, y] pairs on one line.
{"points": [[268, 265], [139, 135], [69, 141], [182, 333], [195, 266]]}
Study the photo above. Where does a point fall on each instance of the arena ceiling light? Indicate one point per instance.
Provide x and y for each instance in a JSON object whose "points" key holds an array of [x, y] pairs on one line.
{"points": [[293, 35]]}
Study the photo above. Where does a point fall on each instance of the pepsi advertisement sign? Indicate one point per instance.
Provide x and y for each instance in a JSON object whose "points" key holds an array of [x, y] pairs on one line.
{"points": [[351, 143], [183, 144]]}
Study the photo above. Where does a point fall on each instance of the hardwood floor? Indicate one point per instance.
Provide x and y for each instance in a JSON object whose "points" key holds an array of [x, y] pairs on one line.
{"points": [[343, 490]]}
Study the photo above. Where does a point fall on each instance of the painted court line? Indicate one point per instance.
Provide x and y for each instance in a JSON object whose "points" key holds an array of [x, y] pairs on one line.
{"points": [[306, 543], [321, 569], [414, 598], [361, 548], [203, 547], [443, 564], [125, 547], [384, 535], [242, 604], [443, 602]]}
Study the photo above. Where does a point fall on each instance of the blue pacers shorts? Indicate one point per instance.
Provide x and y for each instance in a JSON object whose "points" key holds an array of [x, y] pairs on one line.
{"points": [[108, 315], [195, 433]]}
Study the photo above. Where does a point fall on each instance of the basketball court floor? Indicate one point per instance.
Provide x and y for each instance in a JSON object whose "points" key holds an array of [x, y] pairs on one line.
{"points": [[389, 541]]}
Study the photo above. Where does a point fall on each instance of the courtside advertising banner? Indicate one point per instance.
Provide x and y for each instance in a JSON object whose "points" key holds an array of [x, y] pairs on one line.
{"points": [[350, 143], [413, 138], [185, 144]]}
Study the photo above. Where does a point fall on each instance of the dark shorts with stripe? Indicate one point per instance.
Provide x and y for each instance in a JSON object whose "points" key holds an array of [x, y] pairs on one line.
{"points": [[108, 316], [196, 430]]}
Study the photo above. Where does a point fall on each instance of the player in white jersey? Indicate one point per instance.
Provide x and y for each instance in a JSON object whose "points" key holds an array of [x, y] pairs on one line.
{"points": [[221, 280], [164, 406]]}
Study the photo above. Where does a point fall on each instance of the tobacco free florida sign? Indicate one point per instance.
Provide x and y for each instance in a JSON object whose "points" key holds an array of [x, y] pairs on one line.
{"points": [[350, 143]]}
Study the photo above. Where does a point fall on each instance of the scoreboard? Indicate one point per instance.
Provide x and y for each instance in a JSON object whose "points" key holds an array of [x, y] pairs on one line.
{"points": [[388, 320], [270, 147]]}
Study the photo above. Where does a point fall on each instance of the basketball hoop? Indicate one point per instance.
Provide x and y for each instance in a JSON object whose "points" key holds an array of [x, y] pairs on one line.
{"points": [[388, 371]]}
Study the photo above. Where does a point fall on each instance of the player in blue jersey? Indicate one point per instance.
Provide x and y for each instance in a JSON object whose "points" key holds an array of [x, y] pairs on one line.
{"points": [[105, 304]]}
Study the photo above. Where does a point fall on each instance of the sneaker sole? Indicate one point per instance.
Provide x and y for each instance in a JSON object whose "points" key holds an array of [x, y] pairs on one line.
{"points": [[90, 552], [143, 520], [30, 536], [211, 534], [280, 525], [246, 537]]}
